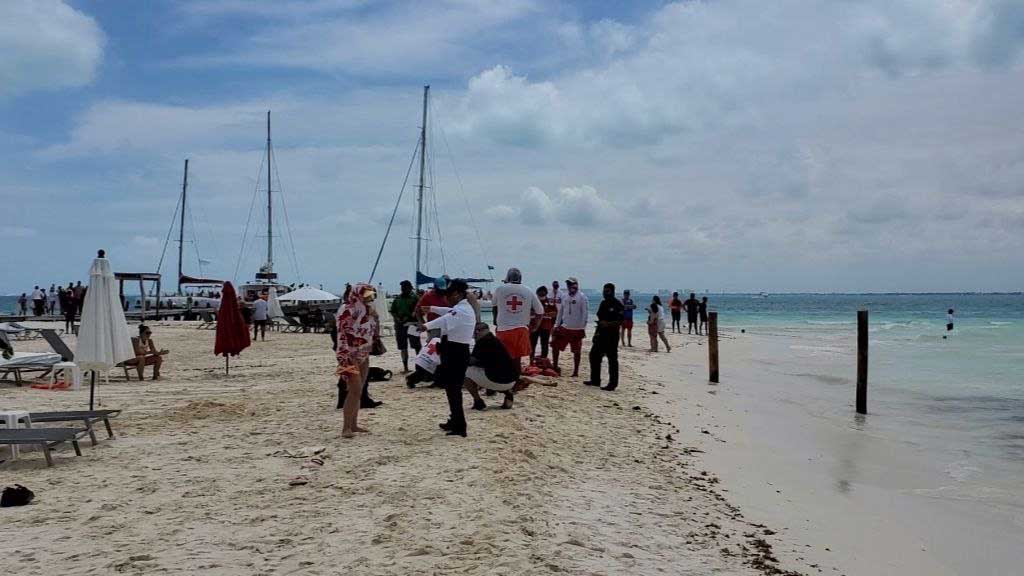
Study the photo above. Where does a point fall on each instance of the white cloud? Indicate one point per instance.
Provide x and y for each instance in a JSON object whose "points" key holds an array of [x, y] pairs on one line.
{"points": [[46, 45], [578, 206], [450, 37]]}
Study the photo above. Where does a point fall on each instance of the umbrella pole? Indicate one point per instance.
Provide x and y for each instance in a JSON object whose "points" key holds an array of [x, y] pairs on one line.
{"points": [[92, 388], [227, 368]]}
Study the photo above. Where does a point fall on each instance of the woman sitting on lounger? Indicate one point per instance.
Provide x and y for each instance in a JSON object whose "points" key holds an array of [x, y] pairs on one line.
{"points": [[146, 353]]}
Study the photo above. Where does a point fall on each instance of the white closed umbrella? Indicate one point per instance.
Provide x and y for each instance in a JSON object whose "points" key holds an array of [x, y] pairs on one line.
{"points": [[103, 340], [274, 308]]}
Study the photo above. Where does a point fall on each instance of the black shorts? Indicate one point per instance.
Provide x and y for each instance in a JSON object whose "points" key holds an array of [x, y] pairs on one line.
{"points": [[260, 322], [404, 339], [676, 315]]}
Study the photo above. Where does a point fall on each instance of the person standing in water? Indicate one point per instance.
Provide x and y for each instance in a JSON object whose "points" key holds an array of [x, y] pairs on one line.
{"points": [[626, 333], [949, 320], [676, 306]]}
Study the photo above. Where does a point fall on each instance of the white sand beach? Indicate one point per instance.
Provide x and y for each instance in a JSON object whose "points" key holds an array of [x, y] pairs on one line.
{"points": [[573, 480]]}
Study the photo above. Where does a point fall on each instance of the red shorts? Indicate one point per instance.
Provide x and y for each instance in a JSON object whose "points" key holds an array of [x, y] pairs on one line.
{"points": [[628, 324], [564, 337], [516, 341]]}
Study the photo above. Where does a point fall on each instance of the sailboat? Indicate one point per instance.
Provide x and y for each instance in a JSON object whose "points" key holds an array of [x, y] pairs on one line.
{"points": [[421, 276], [266, 278], [180, 299]]}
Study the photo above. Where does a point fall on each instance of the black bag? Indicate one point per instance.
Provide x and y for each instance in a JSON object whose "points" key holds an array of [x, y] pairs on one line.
{"points": [[16, 496], [378, 348], [378, 374]]}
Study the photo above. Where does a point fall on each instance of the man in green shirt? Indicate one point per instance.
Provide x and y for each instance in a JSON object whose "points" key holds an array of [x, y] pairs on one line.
{"points": [[403, 311]]}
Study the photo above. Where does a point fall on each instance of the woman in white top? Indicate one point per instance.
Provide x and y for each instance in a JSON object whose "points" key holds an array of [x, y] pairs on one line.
{"points": [[656, 324]]}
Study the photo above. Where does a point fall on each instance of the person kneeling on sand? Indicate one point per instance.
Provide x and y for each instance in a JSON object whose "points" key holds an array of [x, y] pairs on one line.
{"points": [[425, 364], [491, 367]]}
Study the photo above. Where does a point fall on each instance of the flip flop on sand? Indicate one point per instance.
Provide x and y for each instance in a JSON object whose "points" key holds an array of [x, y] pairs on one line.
{"points": [[298, 481], [314, 463]]}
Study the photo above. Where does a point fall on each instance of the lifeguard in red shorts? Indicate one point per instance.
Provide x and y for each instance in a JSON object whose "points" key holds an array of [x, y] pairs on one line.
{"points": [[515, 305], [571, 325]]}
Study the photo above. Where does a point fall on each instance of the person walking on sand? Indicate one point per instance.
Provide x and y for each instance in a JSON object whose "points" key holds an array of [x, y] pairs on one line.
{"points": [[357, 328], [518, 313], [545, 324], [692, 307], [626, 333], [656, 324], [403, 312], [456, 323], [570, 325], [606, 339], [260, 316], [676, 306], [702, 311]]}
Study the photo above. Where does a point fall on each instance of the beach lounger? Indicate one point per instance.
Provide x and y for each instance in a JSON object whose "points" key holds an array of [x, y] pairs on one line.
{"points": [[40, 363], [293, 325], [45, 438], [57, 344], [207, 321], [86, 417]]}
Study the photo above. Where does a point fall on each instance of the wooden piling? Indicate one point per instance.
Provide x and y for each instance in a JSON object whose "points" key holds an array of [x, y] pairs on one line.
{"points": [[862, 361], [713, 347]]}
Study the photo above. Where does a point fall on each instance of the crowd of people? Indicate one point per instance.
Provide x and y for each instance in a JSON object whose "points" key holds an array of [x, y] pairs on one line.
{"points": [[455, 350], [57, 301]]}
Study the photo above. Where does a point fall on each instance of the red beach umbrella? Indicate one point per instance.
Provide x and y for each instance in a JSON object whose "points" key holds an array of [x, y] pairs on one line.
{"points": [[232, 333]]}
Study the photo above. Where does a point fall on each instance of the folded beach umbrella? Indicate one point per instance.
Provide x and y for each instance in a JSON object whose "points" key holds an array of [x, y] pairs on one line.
{"points": [[274, 308], [232, 333], [103, 340]]}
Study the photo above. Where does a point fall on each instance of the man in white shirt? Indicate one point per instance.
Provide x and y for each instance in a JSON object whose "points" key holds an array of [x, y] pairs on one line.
{"points": [[38, 302], [570, 325], [516, 306], [457, 324], [260, 315]]}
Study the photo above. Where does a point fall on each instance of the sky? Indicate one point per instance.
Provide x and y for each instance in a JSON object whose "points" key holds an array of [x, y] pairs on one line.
{"points": [[721, 145]]}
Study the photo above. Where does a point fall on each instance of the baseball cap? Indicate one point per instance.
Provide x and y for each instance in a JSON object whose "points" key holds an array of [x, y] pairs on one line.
{"points": [[572, 280]]}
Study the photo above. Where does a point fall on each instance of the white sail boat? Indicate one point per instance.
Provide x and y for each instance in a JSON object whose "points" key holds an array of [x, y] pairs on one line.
{"points": [[420, 275]]}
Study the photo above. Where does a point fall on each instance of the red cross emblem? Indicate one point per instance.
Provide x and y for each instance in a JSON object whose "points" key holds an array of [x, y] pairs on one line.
{"points": [[514, 303]]}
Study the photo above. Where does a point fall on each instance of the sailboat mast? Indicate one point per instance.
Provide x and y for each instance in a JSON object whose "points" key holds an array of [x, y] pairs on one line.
{"points": [[181, 227], [419, 196], [270, 205]]}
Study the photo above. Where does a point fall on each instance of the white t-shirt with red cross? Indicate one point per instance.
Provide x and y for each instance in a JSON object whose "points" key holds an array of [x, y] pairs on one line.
{"points": [[515, 302]]}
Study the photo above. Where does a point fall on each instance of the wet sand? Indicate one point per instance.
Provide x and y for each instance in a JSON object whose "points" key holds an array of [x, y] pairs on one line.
{"points": [[573, 480]]}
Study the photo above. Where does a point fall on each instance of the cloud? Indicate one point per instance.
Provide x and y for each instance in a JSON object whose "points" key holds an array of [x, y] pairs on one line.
{"points": [[378, 40], [46, 45], [698, 66], [578, 206]]}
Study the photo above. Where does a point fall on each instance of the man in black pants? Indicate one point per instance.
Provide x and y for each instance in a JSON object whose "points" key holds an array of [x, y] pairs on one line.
{"points": [[692, 307], [606, 340], [457, 323]]}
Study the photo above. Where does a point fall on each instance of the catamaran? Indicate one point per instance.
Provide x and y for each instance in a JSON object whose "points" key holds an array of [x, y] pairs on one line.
{"points": [[423, 210]]}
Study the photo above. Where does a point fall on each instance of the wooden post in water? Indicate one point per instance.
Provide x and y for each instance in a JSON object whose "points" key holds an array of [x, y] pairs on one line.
{"points": [[713, 346], [862, 361]]}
